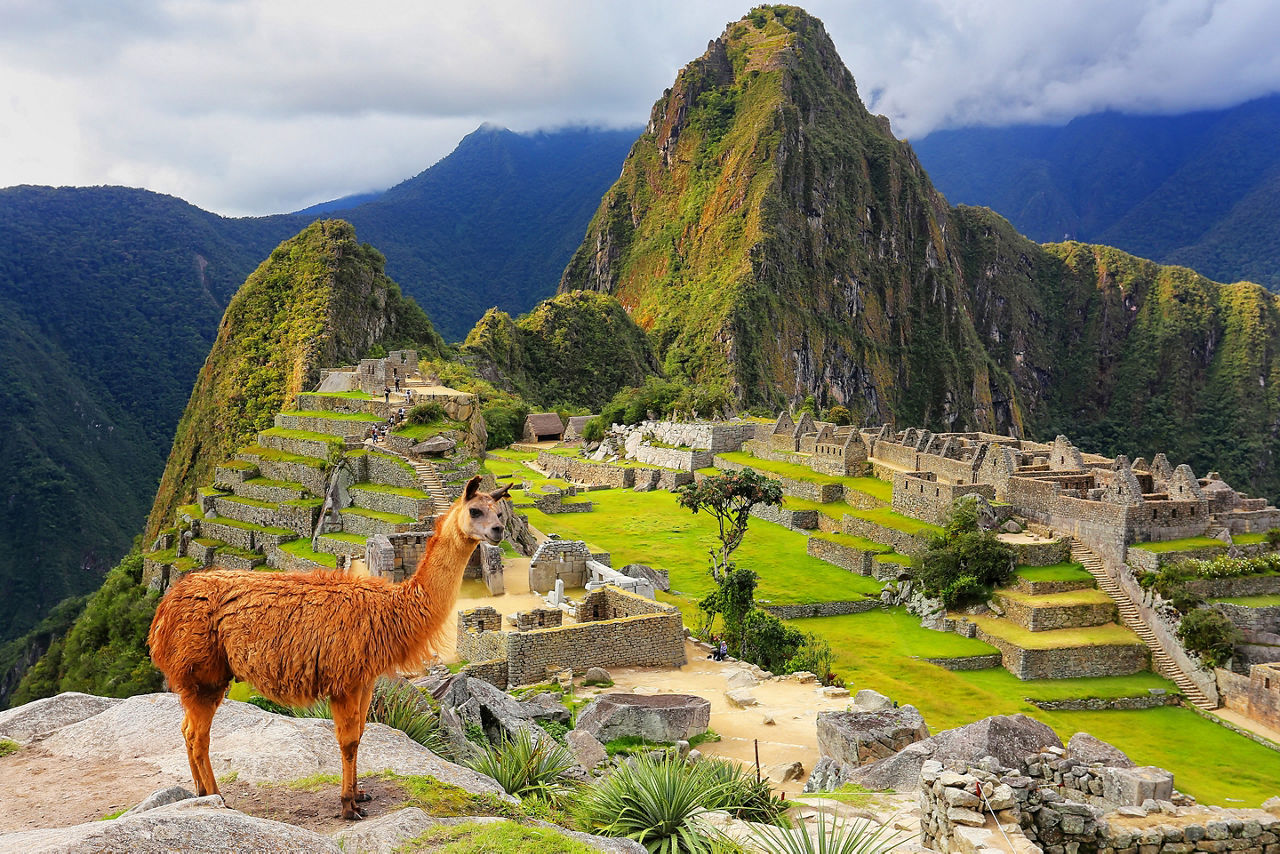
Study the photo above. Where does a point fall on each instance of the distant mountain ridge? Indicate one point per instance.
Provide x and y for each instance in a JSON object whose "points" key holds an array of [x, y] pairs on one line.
{"points": [[1197, 189]]}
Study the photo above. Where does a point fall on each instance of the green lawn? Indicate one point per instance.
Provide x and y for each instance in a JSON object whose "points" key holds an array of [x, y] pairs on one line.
{"points": [[302, 548], [876, 488], [855, 542], [1249, 539], [1087, 596], [1185, 544], [1109, 634], [389, 518], [893, 557], [889, 519], [1262, 601], [364, 417], [1069, 571]]}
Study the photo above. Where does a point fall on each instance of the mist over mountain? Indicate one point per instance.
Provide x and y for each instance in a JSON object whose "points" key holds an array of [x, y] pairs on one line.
{"points": [[1193, 189]]}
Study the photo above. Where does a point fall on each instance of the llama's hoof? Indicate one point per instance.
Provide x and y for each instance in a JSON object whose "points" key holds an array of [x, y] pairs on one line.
{"points": [[362, 796], [353, 814]]}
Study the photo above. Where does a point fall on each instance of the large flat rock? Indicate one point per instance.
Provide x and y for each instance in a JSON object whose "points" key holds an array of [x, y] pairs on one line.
{"points": [[258, 745], [40, 717], [656, 717]]}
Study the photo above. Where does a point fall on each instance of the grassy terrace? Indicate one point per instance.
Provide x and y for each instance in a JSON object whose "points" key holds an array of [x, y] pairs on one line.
{"points": [[309, 435], [876, 488], [272, 505], [278, 484], [875, 649], [854, 542], [1105, 635], [345, 395], [302, 549], [1265, 600], [362, 417], [1069, 571], [389, 518], [390, 490], [286, 457], [889, 519], [1185, 544], [1087, 596]]}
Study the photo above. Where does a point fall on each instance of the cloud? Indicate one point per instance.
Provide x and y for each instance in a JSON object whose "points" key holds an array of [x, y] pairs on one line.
{"points": [[254, 106]]}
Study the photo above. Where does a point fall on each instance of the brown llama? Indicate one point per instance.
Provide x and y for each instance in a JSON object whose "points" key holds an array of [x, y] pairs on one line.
{"points": [[298, 637]]}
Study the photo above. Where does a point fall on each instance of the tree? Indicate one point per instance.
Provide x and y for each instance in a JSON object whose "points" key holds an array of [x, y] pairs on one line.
{"points": [[839, 416], [730, 497], [962, 565]]}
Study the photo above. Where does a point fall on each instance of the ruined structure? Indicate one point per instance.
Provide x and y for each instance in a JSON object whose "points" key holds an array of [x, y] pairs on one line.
{"points": [[542, 427]]}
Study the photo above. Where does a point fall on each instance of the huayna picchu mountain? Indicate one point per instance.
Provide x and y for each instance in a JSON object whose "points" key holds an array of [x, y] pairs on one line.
{"points": [[771, 234], [320, 299]]}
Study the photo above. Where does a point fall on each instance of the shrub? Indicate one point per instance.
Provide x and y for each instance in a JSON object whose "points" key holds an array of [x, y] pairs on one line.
{"points": [[810, 406], [505, 423], [769, 642], [402, 706], [1171, 582], [425, 413], [962, 565], [741, 793], [654, 803], [857, 836], [840, 416], [526, 765], [814, 656], [1273, 536], [594, 430], [1210, 635]]}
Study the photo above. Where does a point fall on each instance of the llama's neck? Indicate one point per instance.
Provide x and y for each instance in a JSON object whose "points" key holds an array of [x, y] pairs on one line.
{"points": [[439, 573]]}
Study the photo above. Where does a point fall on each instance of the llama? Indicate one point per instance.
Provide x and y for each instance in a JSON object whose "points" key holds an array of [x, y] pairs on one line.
{"points": [[298, 637]]}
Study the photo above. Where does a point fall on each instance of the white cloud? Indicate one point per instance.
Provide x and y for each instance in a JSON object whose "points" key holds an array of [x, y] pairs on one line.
{"points": [[254, 106]]}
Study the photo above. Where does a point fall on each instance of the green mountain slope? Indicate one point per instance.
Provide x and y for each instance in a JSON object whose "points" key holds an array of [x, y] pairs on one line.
{"points": [[577, 349], [768, 232], [320, 299]]}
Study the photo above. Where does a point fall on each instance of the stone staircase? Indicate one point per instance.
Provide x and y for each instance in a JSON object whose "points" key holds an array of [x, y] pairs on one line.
{"points": [[1161, 661], [432, 485]]}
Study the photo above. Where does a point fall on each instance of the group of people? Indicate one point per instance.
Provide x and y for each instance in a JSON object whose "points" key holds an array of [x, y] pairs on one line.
{"points": [[719, 649]]}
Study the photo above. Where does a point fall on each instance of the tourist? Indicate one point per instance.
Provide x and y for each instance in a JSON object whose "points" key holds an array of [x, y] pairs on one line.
{"points": [[723, 651], [386, 394]]}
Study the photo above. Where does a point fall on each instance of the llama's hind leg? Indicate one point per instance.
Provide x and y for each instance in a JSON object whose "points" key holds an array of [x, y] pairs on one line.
{"points": [[199, 709], [349, 713]]}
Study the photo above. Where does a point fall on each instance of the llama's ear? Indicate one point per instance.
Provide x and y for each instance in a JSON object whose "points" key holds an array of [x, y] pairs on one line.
{"points": [[499, 494], [472, 486]]}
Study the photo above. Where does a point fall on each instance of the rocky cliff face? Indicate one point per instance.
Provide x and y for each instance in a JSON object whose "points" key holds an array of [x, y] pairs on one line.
{"points": [[770, 233], [320, 299]]}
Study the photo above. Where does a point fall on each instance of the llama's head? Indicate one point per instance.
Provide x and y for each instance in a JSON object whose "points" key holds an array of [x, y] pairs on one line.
{"points": [[480, 517]]}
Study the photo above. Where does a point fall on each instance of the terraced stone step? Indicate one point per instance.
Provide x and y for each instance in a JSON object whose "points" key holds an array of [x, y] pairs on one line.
{"points": [[244, 535], [1064, 653], [232, 473], [229, 557], [274, 491], [297, 556], [339, 424], [366, 523], [298, 516], [433, 485], [279, 465], [341, 402], [414, 503], [304, 443], [342, 543], [1066, 610]]}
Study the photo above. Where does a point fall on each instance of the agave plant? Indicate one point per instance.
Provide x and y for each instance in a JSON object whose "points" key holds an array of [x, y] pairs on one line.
{"points": [[526, 765], [654, 802], [858, 836], [741, 793]]}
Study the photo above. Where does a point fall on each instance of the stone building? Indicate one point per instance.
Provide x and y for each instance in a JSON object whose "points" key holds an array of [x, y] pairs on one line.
{"points": [[542, 427]]}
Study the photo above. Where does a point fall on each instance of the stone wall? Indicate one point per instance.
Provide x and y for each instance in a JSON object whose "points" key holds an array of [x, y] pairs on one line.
{"points": [[900, 456], [1241, 585], [1058, 616], [823, 493], [1251, 620], [1042, 554], [921, 496], [584, 471], [1106, 704], [901, 541], [967, 662], [669, 479], [822, 609], [1111, 660], [553, 503], [300, 519], [841, 555], [680, 459], [1256, 696], [654, 638], [796, 520]]}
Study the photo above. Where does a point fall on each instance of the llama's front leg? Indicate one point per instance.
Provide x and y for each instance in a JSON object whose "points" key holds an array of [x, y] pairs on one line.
{"points": [[349, 714], [196, 721], [361, 795]]}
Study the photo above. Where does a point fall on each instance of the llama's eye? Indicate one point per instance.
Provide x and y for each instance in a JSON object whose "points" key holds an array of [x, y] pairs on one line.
{"points": [[475, 513]]}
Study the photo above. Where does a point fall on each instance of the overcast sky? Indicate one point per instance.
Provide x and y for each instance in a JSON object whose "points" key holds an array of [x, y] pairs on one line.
{"points": [[262, 106]]}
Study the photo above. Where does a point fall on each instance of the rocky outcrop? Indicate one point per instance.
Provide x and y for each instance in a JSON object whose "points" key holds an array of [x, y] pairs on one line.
{"points": [[32, 720], [1087, 749], [501, 716], [847, 740], [1009, 738], [658, 717]]}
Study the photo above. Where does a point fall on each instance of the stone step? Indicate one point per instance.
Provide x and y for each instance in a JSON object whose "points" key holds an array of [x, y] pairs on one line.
{"points": [[265, 489], [366, 523], [330, 423], [414, 503], [233, 472], [297, 516], [1070, 609]]}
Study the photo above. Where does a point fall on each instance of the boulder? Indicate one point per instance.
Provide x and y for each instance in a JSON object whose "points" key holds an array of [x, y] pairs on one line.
{"points": [[1011, 527], [195, 825], [258, 745], [500, 715], [659, 578], [159, 798], [741, 698], [1134, 786], [867, 700], [587, 750], [597, 675], [1008, 738], [658, 717], [434, 446], [742, 679], [832, 692], [785, 772], [857, 738], [32, 720], [1085, 748]]}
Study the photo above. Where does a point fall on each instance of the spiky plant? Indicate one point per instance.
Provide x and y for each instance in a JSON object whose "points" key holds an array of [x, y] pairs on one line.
{"points": [[858, 836], [743, 795], [527, 765]]}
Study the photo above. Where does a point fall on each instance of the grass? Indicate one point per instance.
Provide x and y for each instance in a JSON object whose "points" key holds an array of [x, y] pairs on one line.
{"points": [[389, 518], [307, 435], [8, 746], [1068, 571], [879, 489], [249, 526], [310, 784], [854, 542], [1249, 539], [476, 838], [887, 518], [275, 484], [1262, 601], [301, 548], [632, 744], [345, 395], [1185, 544], [113, 815], [1086, 596], [406, 492], [418, 432], [444, 799], [276, 456], [1109, 634], [893, 557], [363, 417]]}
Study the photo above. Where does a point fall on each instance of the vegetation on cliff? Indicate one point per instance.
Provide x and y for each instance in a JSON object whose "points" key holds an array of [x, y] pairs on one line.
{"points": [[321, 299], [575, 349]]}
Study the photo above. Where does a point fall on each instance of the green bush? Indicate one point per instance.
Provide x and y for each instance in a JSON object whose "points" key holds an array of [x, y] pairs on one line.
{"points": [[840, 416], [1172, 583], [1210, 635], [1273, 536], [741, 794], [594, 430], [425, 413], [961, 566], [402, 706], [526, 765], [815, 656], [505, 424], [769, 642], [654, 803]]}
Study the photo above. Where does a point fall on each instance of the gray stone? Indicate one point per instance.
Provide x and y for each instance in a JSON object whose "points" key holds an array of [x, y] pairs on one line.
{"points": [[785, 772], [956, 797], [1136, 786], [386, 833], [195, 825], [867, 700], [833, 692], [31, 720], [587, 750], [1083, 747], [1011, 527], [742, 679], [1009, 738], [659, 578], [854, 738], [1132, 812], [970, 818], [597, 674], [498, 713], [658, 717], [258, 745], [741, 698], [434, 446], [159, 798]]}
